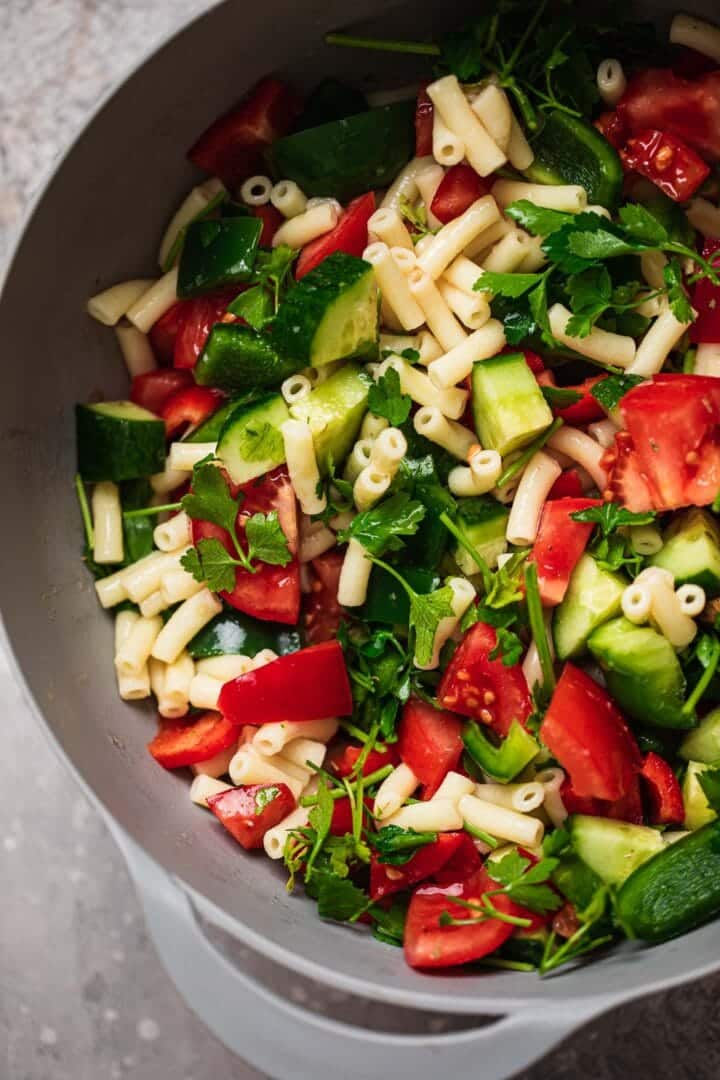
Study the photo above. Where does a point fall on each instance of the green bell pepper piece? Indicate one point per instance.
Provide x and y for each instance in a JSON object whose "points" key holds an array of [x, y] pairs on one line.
{"points": [[217, 253], [505, 761]]}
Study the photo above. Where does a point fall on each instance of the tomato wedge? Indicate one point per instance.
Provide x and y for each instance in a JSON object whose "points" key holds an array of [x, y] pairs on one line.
{"points": [[423, 123], [350, 235], [232, 147], [311, 684], [567, 485], [343, 763], [587, 734], [663, 794], [164, 332], [706, 301], [689, 109], [460, 188], [559, 544], [187, 409], [248, 812], [322, 613], [429, 743], [198, 318], [155, 388], [587, 409], [188, 744], [462, 864], [667, 162], [427, 861], [474, 685], [272, 592]]}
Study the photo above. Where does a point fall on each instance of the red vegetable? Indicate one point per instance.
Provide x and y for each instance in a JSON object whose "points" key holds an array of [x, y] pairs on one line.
{"points": [[429, 743], [663, 794], [612, 126], [322, 613], [272, 592], [342, 821], [199, 316], [628, 807], [687, 109], [427, 861], [559, 544], [465, 862], [667, 161], [164, 332], [587, 409], [232, 147], [423, 124], [310, 684], [474, 685], [585, 731], [248, 812], [188, 744], [271, 219], [350, 235], [187, 409], [343, 763], [706, 301], [567, 486], [460, 188], [155, 388]]}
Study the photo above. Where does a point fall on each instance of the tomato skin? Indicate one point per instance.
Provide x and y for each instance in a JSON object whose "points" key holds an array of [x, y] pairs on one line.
{"points": [[628, 807], [612, 126], [246, 819], [460, 188], [199, 316], [427, 861], [187, 408], [155, 388], [662, 791], [429, 743], [567, 485], [706, 301], [687, 109], [558, 546], [587, 409], [164, 331], [271, 219], [667, 162], [321, 612], [344, 763], [587, 734], [189, 744], [232, 146], [350, 235], [423, 123], [462, 864], [310, 684], [493, 694], [272, 592]]}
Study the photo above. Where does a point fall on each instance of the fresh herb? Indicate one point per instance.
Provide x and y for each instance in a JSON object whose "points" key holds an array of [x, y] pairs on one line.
{"points": [[338, 494], [611, 548], [264, 797], [529, 452], [706, 650], [609, 392], [524, 882], [379, 668], [385, 398], [709, 780], [320, 819], [254, 305], [559, 397], [509, 647], [151, 511], [85, 512], [339, 899], [537, 626], [610, 516], [506, 585], [389, 923], [596, 929], [678, 298], [396, 846], [456, 530], [715, 506], [417, 217], [426, 613], [270, 282], [379, 530]]}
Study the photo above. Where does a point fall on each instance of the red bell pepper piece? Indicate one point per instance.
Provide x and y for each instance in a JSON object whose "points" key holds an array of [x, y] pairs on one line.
{"points": [[666, 161], [271, 219], [322, 613], [706, 301], [558, 546], [567, 486], [199, 316], [350, 235], [429, 743], [427, 861], [474, 685], [164, 332], [688, 109], [153, 389], [310, 684], [187, 409], [174, 747], [462, 864], [662, 791], [586, 732], [587, 409], [460, 188], [613, 127], [580, 804], [423, 124], [232, 147], [344, 763], [628, 807], [248, 812]]}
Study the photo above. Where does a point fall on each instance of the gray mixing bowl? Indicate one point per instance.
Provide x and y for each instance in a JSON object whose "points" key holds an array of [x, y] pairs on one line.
{"points": [[98, 221]]}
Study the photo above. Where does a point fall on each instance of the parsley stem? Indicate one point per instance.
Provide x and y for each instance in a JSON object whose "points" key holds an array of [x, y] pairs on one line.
{"points": [[474, 554], [704, 680], [351, 41], [150, 511], [85, 511], [520, 462], [525, 37], [480, 834], [367, 748], [352, 729], [506, 965], [537, 626], [393, 572], [341, 793]]}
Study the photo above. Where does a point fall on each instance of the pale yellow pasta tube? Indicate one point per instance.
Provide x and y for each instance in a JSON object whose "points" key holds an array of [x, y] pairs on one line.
{"points": [[404, 260], [658, 343], [428, 347], [109, 306], [173, 533], [226, 667], [707, 359], [388, 450], [532, 667], [174, 701], [107, 523], [397, 343], [456, 365], [177, 584], [463, 273], [457, 235], [691, 599], [288, 198], [131, 687], [165, 482], [300, 230], [454, 786], [423, 391], [520, 153], [296, 388], [568, 197], [453, 437], [697, 34], [193, 204], [509, 252], [652, 265], [552, 780], [145, 576], [428, 181], [204, 691], [371, 427], [394, 791], [600, 345], [472, 311], [370, 486], [184, 624], [354, 576], [581, 449], [275, 839], [154, 302], [705, 217], [136, 350], [500, 822], [665, 608], [271, 738], [435, 815], [404, 186], [153, 604], [479, 478], [463, 596], [636, 602], [394, 286], [134, 653], [448, 148], [315, 539], [480, 246], [304, 751], [302, 466], [387, 226], [453, 108], [604, 432], [521, 797], [534, 487], [611, 81], [440, 319], [111, 590], [250, 767], [492, 108], [535, 257], [358, 459], [184, 456], [645, 539], [204, 787]]}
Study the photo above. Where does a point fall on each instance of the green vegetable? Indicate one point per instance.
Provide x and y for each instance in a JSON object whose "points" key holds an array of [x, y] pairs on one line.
{"points": [[507, 403], [691, 551], [569, 151], [217, 253], [330, 100], [396, 846], [701, 794], [483, 521], [593, 597], [238, 358], [426, 613], [272, 279], [611, 549], [703, 744], [525, 883], [251, 443], [386, 399], [610, 392], [537, 627], [387, 602], [379, 529], [209, 430], [612, 849], [334, 410], [118, 440], [503, 762], [234, 633]]}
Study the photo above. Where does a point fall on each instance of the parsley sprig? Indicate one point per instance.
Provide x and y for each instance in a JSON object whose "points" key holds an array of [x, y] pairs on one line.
{"points": [[386, 399], [610, 547], [426, 613], [272, 278]]}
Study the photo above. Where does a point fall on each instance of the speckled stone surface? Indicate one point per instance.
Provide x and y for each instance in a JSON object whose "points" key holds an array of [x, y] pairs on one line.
{"points": [[82, 995]]}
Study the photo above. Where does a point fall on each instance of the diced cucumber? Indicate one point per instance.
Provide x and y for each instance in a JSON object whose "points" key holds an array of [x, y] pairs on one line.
{"points": [[613, 849], [239, 358], [232, 632], [350, 156], [251, 443], [483, 520], [508, 405], [332, 314], [217, 253], [691, 551], [118, 440], [569, 151], [335, 411], [642, 672], [703, 743], [593, 597], [209, 430], [698, 811]]}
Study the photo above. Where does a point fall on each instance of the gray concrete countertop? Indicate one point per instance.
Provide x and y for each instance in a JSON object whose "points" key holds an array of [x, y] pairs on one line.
{"points": [[82, 995]]}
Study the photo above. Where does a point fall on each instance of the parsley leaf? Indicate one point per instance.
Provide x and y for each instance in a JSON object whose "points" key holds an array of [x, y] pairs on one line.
{"points": [[590, 293], [254, 306], [558, 397], [380, 528], [273, 270], [396, 846], [339, 899], [509, 647], [210, 562], [610, 516], [320, 818], [266, 540], [386, 399], [389, 923], [611, 549], [210, 498], [417, 217], [643, 226], [511, 286], [537, 219], [525, 884], [677, 296], [426, 613], [506, 585]]}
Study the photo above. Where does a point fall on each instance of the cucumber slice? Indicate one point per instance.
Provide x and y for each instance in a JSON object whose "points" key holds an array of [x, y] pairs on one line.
{"points": [[209, 431], [330, 315], [483, 521], [237, 358], [250, 443], [568, 151], [118, 440], [698, 811], [593, 597], [350, 156], [217, 253], [691, 551], [613, 849], [508, 405], [335, 412], [703, 744], [232, 632]]}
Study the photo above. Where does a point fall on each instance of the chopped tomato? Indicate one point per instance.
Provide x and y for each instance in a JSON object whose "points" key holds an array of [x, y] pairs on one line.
{"points": [[343, 763], [429, 743], [271, 219], [165, 330], [567, 485], [423, 124], [565, 921], [428, 944], [342, 821], [155, 388], [663, 794], [248, 812], [706, 301], [322, 613], [232, 147], [460, 188], [271, 592], [612, 126], [580, 804], [188, 744], [199, 316], [559, 544], [187, 409], [465, 862], [350, 235], [689, 109], [667, 161], [628, 807], [311, 684], [587, 409], [427, 861], [474, 685], [586, 732]]}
